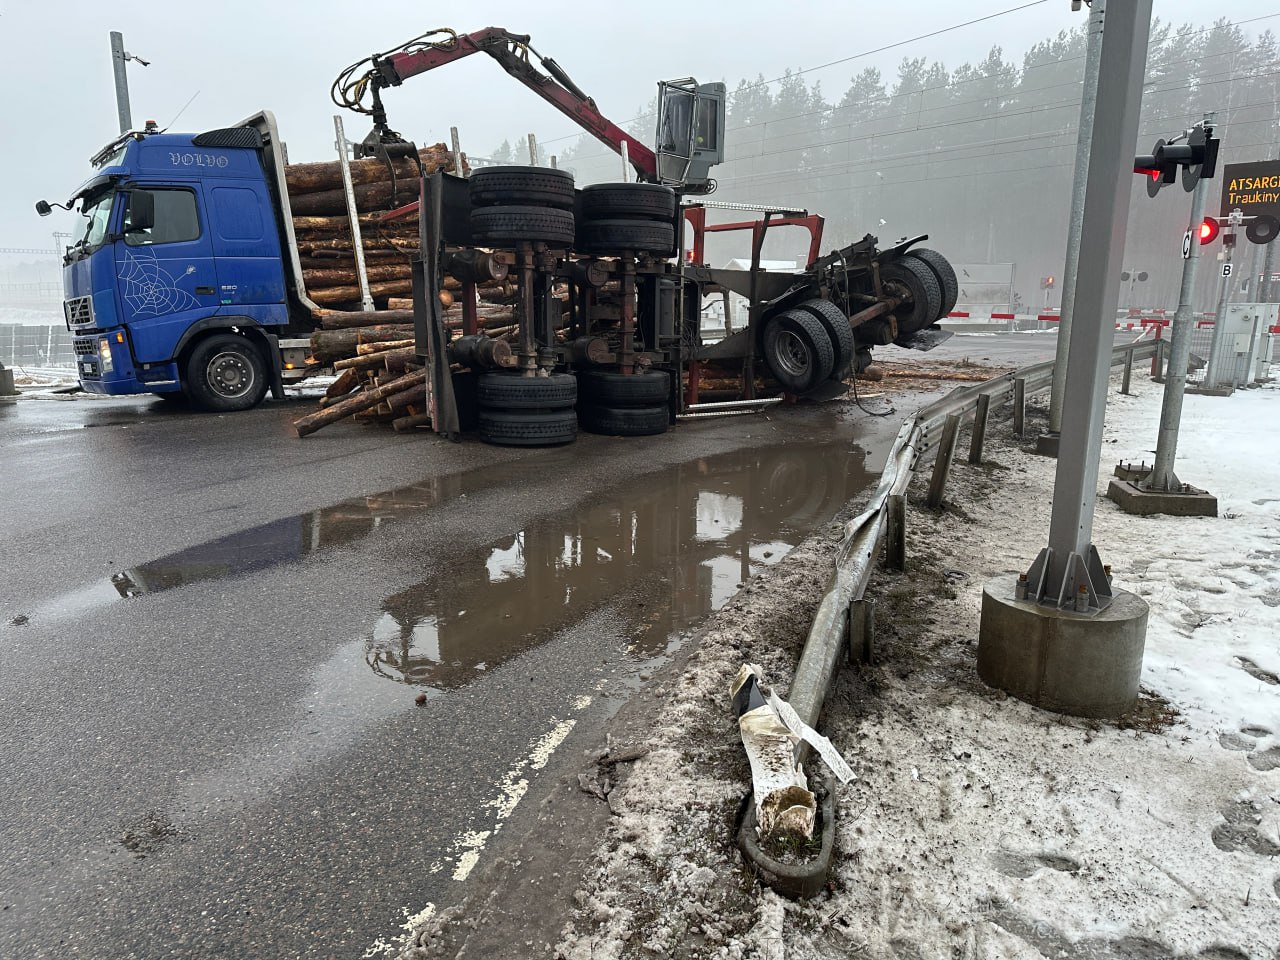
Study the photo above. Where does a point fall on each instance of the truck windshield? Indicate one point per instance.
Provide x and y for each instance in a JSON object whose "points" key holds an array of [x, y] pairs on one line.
{"points": [[96, 209]]}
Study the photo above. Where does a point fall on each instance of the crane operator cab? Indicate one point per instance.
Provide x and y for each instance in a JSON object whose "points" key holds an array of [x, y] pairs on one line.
{"points": [[690, 138]]}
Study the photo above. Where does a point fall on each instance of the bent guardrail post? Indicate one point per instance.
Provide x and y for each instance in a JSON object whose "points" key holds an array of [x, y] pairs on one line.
{"points": [[1128, 373], [979, 428], [895, 538], [942, 463], [1019, 405]]}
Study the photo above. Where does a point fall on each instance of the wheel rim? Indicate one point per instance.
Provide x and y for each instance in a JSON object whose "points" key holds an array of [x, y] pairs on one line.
{"points": [[792, 353], [230, 375], [898, 289]]}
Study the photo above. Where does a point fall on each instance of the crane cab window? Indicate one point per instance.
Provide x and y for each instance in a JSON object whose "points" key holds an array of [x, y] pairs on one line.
{"points": [[173, 218]]}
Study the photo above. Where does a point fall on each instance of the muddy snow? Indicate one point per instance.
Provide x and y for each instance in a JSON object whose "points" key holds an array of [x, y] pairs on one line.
{"points": [[981, 827]]}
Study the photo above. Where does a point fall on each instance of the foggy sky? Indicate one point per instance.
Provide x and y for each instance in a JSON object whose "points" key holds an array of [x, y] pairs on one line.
{"points": [[241, 56]]}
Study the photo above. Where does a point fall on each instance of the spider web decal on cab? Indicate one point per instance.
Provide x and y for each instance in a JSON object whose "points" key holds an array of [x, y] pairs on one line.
{"points": [[149, 289]]}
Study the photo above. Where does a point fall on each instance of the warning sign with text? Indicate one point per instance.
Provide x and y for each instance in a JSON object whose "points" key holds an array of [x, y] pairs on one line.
{"points": [[1253, 187]]}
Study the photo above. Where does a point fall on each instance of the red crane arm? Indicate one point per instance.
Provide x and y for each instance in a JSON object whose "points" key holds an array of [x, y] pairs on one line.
{"points": [[512, 52]]}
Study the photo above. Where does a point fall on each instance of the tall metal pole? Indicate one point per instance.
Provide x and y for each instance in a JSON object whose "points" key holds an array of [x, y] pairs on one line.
{"points": [[1162, 477], [122, 81], [353, 214], [1213, 372], [1069, 572], [1084, 141], [1268, 264]]}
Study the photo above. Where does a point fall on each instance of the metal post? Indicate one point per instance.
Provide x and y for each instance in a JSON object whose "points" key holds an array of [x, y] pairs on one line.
{"points": [[942, 463], [895, 547], [1256, 335], [1175, 376], [1019, 406], [353, 214], [626, 162], [1268, 264], [122, 81], [1070, 564], [1128, 373], [1084, 143], [1213, 372], [456, 144], [533, 150], [979, 428]]}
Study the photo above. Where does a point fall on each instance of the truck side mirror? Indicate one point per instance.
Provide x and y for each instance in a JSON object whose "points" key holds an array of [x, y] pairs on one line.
{"points": [[43, 208], [142, 211]]}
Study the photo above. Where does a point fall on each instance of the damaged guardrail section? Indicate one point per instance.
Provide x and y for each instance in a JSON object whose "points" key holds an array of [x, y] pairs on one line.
{"points": [[843, 621]]}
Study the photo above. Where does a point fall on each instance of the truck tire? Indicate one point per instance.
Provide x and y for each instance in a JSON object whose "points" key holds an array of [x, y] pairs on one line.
{"points": [[624, 421], [226, 372], [503, 226], [529, 186], [607, 389], [623, 201], [520, 428], [636, 236], [798, 351], [837, 326], [945, 273], [912, 280], [510, 391]]}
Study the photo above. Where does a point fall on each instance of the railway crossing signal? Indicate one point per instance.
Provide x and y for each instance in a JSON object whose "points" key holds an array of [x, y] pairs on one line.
{"points": [[1195, 153]]}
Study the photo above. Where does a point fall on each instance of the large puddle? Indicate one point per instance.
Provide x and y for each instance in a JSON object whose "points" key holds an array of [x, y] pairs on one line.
{"points": [[666, 549]]}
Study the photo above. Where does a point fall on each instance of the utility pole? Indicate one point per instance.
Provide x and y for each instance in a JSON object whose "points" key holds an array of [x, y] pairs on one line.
{"points": [[1268, 264], [1060, 636], [119, 55], [1084, 142], [1213, 372], [1162, 478]]}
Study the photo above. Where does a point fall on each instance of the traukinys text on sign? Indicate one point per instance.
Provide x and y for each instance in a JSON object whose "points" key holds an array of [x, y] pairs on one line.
{"points": [[1253, 187]]}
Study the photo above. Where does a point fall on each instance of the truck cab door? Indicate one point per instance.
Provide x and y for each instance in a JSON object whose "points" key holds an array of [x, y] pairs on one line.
{"points": [[165, 278]]}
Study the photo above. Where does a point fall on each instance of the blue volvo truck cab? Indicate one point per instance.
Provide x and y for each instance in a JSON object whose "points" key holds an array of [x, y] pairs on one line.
{"points": [[183, 278]]}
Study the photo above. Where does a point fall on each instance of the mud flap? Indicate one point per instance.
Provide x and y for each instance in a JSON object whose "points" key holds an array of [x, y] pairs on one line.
{"points": [[925, 339]]}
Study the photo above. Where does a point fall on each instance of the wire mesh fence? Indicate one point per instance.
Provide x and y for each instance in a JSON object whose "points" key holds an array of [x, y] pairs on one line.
{"points": [[26, 345]]}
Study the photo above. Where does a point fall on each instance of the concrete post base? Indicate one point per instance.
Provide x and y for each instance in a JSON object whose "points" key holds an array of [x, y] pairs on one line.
{"points": [[1203, 391], [1074, 663], [7, 389], [1190, 502], [1047, 445]]}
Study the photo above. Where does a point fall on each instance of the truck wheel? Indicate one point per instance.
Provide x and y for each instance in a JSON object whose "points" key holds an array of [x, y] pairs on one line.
{"points": [[607, 389], [510, 391], [624, 421], [614, 236], [837, 326], [945, 273], [798, 351], [638, 201], [506, 225], [913, 282], [224, 373], [531, 186], [520, 428]]}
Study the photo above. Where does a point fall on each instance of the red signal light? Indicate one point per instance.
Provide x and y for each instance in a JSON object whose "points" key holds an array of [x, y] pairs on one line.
{"points": [[1208, 230]]}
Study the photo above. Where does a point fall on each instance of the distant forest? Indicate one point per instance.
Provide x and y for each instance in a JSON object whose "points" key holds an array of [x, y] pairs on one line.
{"points": [[979, 156]]}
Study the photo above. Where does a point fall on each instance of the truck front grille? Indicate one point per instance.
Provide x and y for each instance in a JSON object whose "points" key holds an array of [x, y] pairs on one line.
{"points": [[85, 346], [79, 311]]}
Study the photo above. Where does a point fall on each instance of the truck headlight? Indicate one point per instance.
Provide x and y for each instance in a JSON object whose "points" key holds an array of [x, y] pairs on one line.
{"points": [[104, 353]]}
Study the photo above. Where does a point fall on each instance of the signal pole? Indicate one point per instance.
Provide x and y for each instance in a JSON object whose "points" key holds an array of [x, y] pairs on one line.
{"points": [[1213, 372], [122, 81], [1162, 477]]}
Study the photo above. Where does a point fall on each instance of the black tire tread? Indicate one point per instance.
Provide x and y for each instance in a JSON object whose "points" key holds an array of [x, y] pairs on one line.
{"points": [[945, 273], [608, 389], [201, 396], [640, 201], [615, 236], [918, 277], [512, 224], [527, 186], [508, 391], [624, 421], [523, 429], [837, 326]]}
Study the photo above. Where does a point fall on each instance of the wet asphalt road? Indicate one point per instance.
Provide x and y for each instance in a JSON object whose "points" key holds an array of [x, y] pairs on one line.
{"points": [[209, 740]]}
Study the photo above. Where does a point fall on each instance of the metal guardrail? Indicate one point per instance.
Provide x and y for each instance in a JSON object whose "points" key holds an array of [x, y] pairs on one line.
{"points": [[843, 617]]}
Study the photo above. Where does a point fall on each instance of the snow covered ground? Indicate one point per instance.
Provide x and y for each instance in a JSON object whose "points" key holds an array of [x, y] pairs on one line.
{"points": [[981, 827]]}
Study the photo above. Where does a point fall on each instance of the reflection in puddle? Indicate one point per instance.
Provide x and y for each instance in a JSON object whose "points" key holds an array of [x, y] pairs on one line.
{"points": [[675, 545]]}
